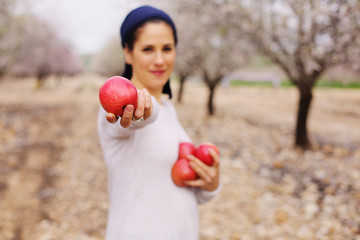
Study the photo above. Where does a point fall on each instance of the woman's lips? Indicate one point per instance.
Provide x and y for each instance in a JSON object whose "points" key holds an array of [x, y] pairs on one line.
{"points": [[158, 73]]}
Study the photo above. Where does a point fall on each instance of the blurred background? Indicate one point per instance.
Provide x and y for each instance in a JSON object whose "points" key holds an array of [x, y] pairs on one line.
{"points": [[274, 83]]}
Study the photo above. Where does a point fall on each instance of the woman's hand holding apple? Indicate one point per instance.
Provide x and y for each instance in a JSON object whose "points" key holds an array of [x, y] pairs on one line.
{"points": [[208, 175], [143, 109], [120, 98], [197, 167]]}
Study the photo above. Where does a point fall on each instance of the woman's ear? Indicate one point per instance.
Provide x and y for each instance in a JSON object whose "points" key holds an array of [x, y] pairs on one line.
{"points": [[128, 55]]}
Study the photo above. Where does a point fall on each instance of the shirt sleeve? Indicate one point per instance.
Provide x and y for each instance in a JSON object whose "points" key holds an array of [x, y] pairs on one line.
{"points": [[203, 196]]}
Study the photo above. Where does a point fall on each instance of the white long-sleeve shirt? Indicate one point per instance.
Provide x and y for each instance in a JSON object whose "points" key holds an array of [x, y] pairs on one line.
{"points": [[145, 204]]}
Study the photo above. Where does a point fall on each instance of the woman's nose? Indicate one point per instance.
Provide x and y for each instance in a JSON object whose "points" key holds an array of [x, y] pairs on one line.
{"points": [[159, 58]]}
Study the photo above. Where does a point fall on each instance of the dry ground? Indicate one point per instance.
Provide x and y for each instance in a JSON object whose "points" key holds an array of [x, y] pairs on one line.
{"points": [[53, 179]]}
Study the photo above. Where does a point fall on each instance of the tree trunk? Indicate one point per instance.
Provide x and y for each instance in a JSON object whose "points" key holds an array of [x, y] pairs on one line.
{"points": [[301, 134], [40, 81], [211, 110], [181, 88]]}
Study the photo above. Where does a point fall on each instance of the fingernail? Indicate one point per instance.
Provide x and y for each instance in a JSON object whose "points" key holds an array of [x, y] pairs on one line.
{"points": [[129, 108]]}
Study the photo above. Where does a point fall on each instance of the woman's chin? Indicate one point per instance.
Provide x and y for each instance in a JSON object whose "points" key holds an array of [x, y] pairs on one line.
{"points": [[160, 81]]}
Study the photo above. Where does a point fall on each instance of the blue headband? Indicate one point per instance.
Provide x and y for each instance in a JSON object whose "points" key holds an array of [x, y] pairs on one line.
{"points": [[140, 15], [132, 21]]}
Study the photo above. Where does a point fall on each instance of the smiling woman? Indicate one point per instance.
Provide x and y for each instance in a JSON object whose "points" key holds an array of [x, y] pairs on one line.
{"points": [[145, 204]]}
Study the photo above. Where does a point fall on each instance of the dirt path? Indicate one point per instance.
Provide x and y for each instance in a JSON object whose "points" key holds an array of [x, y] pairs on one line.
{"points": [[53, 178], [50, 165], [30, 149]]}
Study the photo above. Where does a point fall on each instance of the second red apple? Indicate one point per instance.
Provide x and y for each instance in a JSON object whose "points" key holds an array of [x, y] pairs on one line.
{"points": [[181, 171], [202, 153], [186, 148]]}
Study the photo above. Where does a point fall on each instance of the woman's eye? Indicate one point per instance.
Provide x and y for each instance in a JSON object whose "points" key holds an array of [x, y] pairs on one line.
{"points": [[148, 49], [167, 49]]}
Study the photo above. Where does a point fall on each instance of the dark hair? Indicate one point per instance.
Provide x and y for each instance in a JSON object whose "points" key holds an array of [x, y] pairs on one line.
{"points": [[129, 32], [129, 43]]}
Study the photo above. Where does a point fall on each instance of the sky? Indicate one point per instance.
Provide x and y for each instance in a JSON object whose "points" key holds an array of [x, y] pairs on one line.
{"points": [[86, 24]]}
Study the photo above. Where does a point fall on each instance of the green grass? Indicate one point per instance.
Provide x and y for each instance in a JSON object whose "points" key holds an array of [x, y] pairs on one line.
{"points": [[325, 84], [320, 84]]}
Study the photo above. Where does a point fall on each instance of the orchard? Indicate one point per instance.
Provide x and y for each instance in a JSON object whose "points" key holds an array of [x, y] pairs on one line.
{"points": [[289, 155]]}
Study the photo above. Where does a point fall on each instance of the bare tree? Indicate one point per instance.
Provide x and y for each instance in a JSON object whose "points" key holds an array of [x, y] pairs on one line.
{"points": [[207, 46], [188, 59], [30, 46], [42, 52], [9, 32], [64, 60], [304, 38]]}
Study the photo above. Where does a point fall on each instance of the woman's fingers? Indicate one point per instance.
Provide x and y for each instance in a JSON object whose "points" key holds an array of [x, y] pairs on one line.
{"points": [[195, 183], [208, 175], [127, 116], [139, 112], [143, 109], [111, 118], [200, 168], [148, 104], [215, 157]]}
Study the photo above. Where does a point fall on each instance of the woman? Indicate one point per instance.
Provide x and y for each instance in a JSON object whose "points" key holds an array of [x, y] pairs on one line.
{"points": [[140, 150]]}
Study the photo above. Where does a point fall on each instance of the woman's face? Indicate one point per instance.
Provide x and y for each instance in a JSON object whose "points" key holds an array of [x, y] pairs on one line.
{"points": [[152, 57]]}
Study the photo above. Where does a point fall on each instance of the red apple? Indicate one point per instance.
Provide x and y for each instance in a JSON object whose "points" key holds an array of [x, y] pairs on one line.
{"points": [[116, 93], [181, 171], [186, 148], [202, 153]]}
